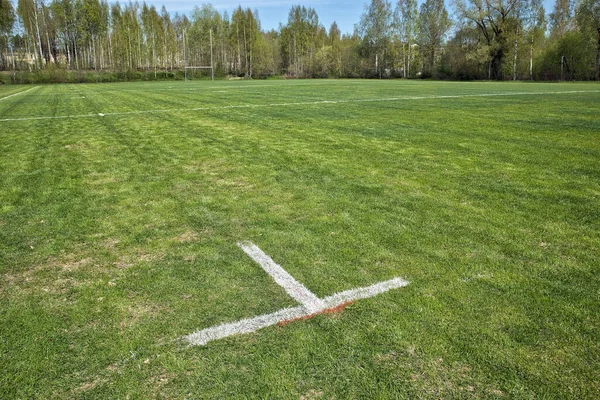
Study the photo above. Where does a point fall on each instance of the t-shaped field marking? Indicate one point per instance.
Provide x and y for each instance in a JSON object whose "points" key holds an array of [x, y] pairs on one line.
{"points": [[310, 303]]}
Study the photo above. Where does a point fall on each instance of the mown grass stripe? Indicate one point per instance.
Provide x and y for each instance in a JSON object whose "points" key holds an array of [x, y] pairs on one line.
{"points": [[304, 103]]}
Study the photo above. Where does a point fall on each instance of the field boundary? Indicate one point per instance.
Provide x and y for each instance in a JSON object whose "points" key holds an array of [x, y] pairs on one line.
{"points": [[304, 103]]}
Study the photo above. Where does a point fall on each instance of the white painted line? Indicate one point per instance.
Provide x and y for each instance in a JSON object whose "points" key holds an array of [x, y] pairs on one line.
{"points": [[364, 292], [294, 288], [250, 325], [243, 326], [304, 103], [311, 304], [15, 94]]}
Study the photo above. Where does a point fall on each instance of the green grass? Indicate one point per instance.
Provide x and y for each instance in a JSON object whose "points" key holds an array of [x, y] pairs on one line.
{"points": [[118, 236]]}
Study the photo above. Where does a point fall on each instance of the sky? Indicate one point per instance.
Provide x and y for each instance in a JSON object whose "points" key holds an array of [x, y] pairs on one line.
{"points": [[273, 12]]}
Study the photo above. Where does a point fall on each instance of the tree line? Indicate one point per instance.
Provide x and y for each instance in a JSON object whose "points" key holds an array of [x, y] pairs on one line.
{"points": [[481, 39]]}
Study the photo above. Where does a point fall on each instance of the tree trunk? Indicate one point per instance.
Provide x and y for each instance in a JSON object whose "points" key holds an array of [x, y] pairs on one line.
{"points": [[409, 58], [95, 55], [598, 57], [404, 59], [50, 57], [76, 54], [432, 61], [239, 57], [110, 51], [129, 61], [515, 50], [37, 29], [12, 56], [531, 59], [496, 64], [246, 55], [68, 49]]}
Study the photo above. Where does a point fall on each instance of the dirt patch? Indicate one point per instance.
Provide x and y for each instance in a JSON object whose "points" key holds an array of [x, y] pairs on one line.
{"points": [[86, 387], [219, 173], [129, 260], [32, 279], [334, 310], [75, 265], [110, 243], [137, 313], [75, 146], [312, 394], [186, 237]]}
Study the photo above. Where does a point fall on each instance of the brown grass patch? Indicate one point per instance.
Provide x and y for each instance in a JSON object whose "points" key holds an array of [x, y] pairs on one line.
{"points": [[129, 260], [186, 237], [137, 313], [30, 280], [312, 395], [219, 173], [86, 387], [76, 146]]}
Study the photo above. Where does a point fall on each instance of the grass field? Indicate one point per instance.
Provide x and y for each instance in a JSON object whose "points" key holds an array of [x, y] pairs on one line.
{"points": [[121, 206]]}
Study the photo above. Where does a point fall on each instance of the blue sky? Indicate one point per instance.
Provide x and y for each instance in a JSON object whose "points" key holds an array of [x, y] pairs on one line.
{"points": [[272, 12]]}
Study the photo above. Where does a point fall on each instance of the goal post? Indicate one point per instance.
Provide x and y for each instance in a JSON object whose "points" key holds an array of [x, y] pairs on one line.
{"points": [[212, 72], [211, 66]]}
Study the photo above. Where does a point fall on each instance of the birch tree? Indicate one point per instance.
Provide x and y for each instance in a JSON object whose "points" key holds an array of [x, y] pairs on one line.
{"points": [[375, 30], [406, 17], [7, 20], [588, 18], [434, 23], [535, 25], [561, 18]]}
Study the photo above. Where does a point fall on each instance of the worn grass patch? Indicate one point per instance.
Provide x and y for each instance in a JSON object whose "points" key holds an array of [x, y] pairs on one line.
{"points": [[118, 236]]}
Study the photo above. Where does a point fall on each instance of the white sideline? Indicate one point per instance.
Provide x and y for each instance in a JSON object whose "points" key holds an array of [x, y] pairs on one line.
{"points": [[305, 103], [14, 94], [311, 304], [294, 288]]}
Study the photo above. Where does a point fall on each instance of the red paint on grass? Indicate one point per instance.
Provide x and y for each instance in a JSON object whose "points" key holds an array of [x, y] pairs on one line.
{"points": [[333, 310]]}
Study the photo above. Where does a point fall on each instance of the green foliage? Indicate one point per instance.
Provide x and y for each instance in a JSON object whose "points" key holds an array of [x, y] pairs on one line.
{"points": [[588, 18], [569, 58], [561, 18], [434, 23], [62, 75], [300, 40], [7, 17]]}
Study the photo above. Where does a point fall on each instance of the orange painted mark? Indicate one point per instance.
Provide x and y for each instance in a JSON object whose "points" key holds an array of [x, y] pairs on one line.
{"points": [[333, 310]]}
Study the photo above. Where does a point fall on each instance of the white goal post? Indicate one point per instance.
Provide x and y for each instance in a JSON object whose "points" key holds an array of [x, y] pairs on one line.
{"points": [[212, 71], [211, 66]]}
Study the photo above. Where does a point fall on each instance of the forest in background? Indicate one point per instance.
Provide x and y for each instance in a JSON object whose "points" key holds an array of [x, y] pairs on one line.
{"points": [[92, 40]]}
